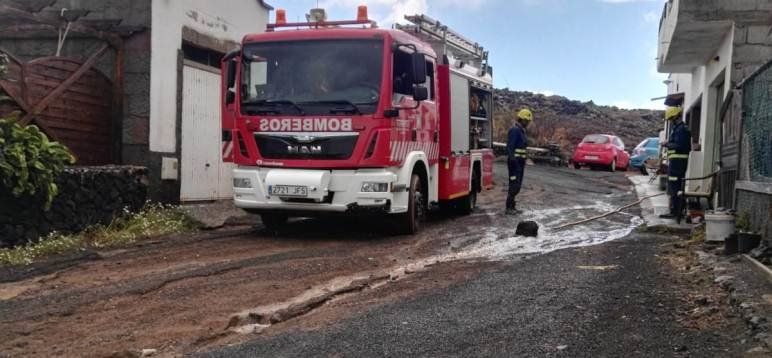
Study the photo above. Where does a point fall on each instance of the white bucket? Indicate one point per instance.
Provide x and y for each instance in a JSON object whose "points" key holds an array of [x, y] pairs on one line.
{"points": [[718, 226]]}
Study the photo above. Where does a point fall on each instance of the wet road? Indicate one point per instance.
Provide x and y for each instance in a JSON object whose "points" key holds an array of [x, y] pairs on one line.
{"points": [[464, 286]]}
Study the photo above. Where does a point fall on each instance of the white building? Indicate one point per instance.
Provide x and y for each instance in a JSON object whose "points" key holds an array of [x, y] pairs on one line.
{"points": [[708, 47]]}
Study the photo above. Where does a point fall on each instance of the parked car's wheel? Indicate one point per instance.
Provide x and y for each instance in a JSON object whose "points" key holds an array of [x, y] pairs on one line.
{"points": [[577, 166], [410, 222], [273, 221], [643, 170], [613, 167]]}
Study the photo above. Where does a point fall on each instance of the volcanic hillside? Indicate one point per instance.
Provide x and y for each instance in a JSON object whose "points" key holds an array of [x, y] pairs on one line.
{"points": [[563, 121]]}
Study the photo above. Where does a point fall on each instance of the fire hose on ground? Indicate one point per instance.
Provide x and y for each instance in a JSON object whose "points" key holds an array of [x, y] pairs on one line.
{"points": [[608, 213]]}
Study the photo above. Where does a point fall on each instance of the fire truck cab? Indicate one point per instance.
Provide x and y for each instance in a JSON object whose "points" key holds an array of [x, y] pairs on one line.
{"points": [[344, 117]]}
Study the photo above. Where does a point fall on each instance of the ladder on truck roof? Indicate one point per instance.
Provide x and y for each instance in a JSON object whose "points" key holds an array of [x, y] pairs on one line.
{"points": [[433, 32]]}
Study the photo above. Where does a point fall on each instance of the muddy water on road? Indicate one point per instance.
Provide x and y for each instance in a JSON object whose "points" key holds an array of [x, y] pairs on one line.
{"points": [[486, 235]]}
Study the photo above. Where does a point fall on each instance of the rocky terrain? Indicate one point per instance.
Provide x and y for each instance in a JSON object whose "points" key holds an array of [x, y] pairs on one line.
{"points": [[563, 121]]}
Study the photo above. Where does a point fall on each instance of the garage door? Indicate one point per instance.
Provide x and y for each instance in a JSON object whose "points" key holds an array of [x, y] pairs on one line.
{"points": [[203, 174]]}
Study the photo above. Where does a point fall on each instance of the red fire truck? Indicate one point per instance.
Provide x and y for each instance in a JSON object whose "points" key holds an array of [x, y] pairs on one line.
{"points": [[344, 117]]}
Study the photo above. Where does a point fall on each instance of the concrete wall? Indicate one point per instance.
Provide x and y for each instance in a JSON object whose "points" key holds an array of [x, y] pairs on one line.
{"points": [[211, 18]]}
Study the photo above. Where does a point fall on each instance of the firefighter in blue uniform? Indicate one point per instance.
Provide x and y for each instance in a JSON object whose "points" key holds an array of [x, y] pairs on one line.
{"points": [[516, 155], [678, 148]]}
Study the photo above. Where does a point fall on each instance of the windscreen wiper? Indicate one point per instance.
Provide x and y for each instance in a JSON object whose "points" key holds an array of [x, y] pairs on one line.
{"points": [[274, 103], [353, 108]]}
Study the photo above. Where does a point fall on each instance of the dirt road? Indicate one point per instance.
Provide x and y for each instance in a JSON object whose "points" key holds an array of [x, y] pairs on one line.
{"points": [[193, 294]]}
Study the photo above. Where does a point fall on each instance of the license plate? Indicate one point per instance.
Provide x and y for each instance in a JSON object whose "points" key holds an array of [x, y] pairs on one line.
{"points": [[289, 190], [591, 157]]}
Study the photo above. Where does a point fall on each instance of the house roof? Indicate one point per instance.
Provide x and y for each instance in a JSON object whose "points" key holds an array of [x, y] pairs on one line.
{"points": [[265, 5]]}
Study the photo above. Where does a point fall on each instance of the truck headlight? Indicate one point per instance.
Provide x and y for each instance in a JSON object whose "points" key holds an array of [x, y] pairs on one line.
{"points": [[242, 183], [370, 187]]}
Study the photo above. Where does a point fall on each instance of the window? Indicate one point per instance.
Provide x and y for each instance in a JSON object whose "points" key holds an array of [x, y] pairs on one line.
{"points": [[618, 143], [403, 83], [595, 139], [312, 77], [430, 79], [201, 55], [652, 143]]}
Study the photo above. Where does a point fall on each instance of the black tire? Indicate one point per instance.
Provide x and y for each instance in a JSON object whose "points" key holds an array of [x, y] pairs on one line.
{"points": [[643, 170], [409, 223], [467, 204], [273, 221], [577, 166]]}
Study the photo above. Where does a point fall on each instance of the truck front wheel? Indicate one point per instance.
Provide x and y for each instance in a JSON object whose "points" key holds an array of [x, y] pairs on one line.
{"points": [[410, 222], [273, 221]]}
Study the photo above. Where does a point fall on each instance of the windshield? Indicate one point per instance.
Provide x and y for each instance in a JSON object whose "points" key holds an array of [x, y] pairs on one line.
{"points": [[312, 77], [596, 139]]}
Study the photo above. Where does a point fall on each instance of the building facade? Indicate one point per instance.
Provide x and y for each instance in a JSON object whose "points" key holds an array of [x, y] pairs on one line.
{"points": [[709, 48], [160, 60]]}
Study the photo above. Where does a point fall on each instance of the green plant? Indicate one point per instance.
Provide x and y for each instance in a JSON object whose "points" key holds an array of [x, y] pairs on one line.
{"points": [[152, 221], [3, 72], [743, 222], [3, 65], [29, 162]]}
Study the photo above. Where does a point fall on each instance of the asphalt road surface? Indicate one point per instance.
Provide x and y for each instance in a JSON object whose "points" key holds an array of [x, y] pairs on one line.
{"points": [[465, 286]]}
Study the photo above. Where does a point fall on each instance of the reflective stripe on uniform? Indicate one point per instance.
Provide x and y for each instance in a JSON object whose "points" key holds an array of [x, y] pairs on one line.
{"points": [[521, 151], [672, 178], [678, 156], [521, 156], [514, 177]]}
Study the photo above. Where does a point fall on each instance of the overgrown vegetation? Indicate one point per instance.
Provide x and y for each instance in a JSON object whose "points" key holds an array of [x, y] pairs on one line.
{"points": [[698, 235], [29, 162], [152, 221], [743, 222]]}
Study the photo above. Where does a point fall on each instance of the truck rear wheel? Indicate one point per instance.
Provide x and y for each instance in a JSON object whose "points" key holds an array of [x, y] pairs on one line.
{"points": [[273, 221], [410, 222], [468, 203]]}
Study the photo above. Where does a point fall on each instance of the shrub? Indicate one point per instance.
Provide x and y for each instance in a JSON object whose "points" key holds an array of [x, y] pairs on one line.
{"points": [[29, 162]]}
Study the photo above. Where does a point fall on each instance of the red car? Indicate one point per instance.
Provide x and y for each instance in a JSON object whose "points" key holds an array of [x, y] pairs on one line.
{"points": [[601, 150]]}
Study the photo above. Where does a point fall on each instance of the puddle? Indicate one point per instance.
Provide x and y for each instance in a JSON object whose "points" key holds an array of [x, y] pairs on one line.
{"points": [[500, 243]]}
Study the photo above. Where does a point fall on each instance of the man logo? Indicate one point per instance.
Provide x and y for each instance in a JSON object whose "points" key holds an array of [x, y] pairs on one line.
{"points": [[304, 138], [304, 149]]}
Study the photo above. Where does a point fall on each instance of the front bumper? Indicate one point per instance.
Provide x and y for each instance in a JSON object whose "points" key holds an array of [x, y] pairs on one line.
{"points": [[330, 191]]}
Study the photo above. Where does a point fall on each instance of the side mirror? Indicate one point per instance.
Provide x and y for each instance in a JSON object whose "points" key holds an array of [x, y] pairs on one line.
{"points": [[420, 93], [419, 67], [230, 97]]}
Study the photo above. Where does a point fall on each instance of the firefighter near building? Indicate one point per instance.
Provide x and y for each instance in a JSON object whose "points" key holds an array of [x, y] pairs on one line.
{"points": [[344, 117]]}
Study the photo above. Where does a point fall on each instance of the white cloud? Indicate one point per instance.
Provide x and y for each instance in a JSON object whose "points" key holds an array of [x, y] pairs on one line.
{"points": [[545, 92], [627, 104], [387, 12], [625, 1], [651, 17]]}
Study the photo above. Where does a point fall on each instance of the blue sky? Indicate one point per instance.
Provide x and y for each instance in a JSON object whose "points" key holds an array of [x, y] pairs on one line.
{"points": [[600, 50]]}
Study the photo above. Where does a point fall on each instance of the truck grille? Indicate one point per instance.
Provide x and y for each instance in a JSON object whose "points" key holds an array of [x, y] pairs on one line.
{"points": [[302, 146]]}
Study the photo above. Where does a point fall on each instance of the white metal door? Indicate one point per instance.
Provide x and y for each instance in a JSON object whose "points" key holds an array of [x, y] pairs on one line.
{"points": [[203, 175]]}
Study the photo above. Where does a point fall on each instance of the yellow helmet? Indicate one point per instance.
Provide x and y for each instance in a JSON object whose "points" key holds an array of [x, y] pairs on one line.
{"points": [[672, 112], [525, 114]]}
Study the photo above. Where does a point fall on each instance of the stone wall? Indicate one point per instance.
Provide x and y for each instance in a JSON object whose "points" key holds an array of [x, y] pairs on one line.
{"points": [[87, 196]]}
